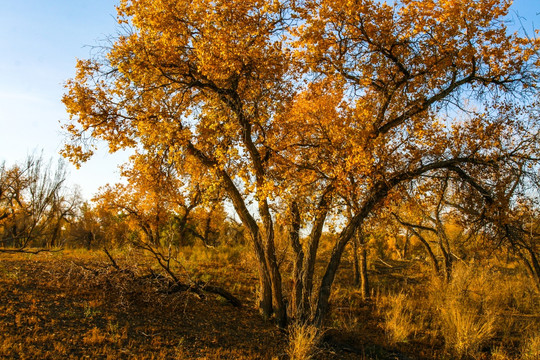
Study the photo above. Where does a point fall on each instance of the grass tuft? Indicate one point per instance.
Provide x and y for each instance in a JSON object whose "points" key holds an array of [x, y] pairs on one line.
{"points": [[398, 317], [530, 349], [303, 341]]}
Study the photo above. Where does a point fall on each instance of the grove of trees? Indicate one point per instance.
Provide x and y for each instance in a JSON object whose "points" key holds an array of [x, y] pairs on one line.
{"points": [[305, 118], [35, 204]]}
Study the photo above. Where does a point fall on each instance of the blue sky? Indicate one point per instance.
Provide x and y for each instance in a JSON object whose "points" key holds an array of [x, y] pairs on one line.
{"points": [[39, 42]]}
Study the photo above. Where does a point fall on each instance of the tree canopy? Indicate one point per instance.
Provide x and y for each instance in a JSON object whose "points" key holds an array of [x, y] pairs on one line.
{"points": [[297, 109]]}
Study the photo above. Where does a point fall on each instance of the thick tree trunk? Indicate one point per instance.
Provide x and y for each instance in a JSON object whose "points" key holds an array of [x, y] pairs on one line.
{"points": [[265, 282], [323, 305], [265, 293], [294, 238], [379, 192], [309, 266], [278, 303], [306, 305]]}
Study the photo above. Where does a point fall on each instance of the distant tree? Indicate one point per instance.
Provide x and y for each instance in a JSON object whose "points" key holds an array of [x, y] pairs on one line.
{"points": [[97, 227], [505, 207], [158, 206], [35, 204]]}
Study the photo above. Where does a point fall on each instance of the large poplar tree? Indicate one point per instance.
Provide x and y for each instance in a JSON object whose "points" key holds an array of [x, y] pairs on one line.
{"points": [[297, 105]]}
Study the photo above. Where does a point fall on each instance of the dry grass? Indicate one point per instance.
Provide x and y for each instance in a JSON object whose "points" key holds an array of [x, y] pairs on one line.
{"points": [[463, 329], [484, 312], [397, 311], [303, 341], [530, 348], [73, 304], [480, 304], [465, 320]]}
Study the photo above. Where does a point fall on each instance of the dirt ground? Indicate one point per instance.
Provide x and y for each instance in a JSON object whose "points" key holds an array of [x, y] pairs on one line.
{"points": [[51, 309], [66, 307]]}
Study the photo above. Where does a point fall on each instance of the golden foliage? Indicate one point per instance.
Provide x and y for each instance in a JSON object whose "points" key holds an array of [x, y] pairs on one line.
{"points": [[310, 107]]}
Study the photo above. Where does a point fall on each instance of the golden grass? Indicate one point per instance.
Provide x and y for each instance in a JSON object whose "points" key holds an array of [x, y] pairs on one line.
{"points": [[480, 303], [484, 312], [397, 311], [463, 329], [530, 348], [303, 341]]}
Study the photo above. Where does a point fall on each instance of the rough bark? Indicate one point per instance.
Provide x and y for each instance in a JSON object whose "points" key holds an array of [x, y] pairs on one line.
{"points": [[323, 306], [309, 265], [305, 306], [294, 238], [278, 303]]}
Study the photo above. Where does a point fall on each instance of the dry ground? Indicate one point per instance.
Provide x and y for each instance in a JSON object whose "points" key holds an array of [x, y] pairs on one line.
{"points": [[53, 308], [75, 305]]}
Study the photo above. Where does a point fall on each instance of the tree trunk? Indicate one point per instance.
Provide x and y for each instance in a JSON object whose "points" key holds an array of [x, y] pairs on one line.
{"points": [[444, 244], [323, 305], [294, 238], [380, 190], [432, 257], [356, 264], [405, 246], [275, 277], [364, 281], [447, 257], [309, 266], [265, 281], [266, 284], [265, 292], [306, 305], [535, 266], [360, 265]]}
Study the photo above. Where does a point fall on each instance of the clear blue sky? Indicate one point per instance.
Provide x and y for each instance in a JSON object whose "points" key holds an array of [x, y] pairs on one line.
{"points": [[39, 42]]}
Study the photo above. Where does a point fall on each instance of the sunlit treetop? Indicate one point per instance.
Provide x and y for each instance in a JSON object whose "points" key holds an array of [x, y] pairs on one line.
{"points": [[280, 95]]}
